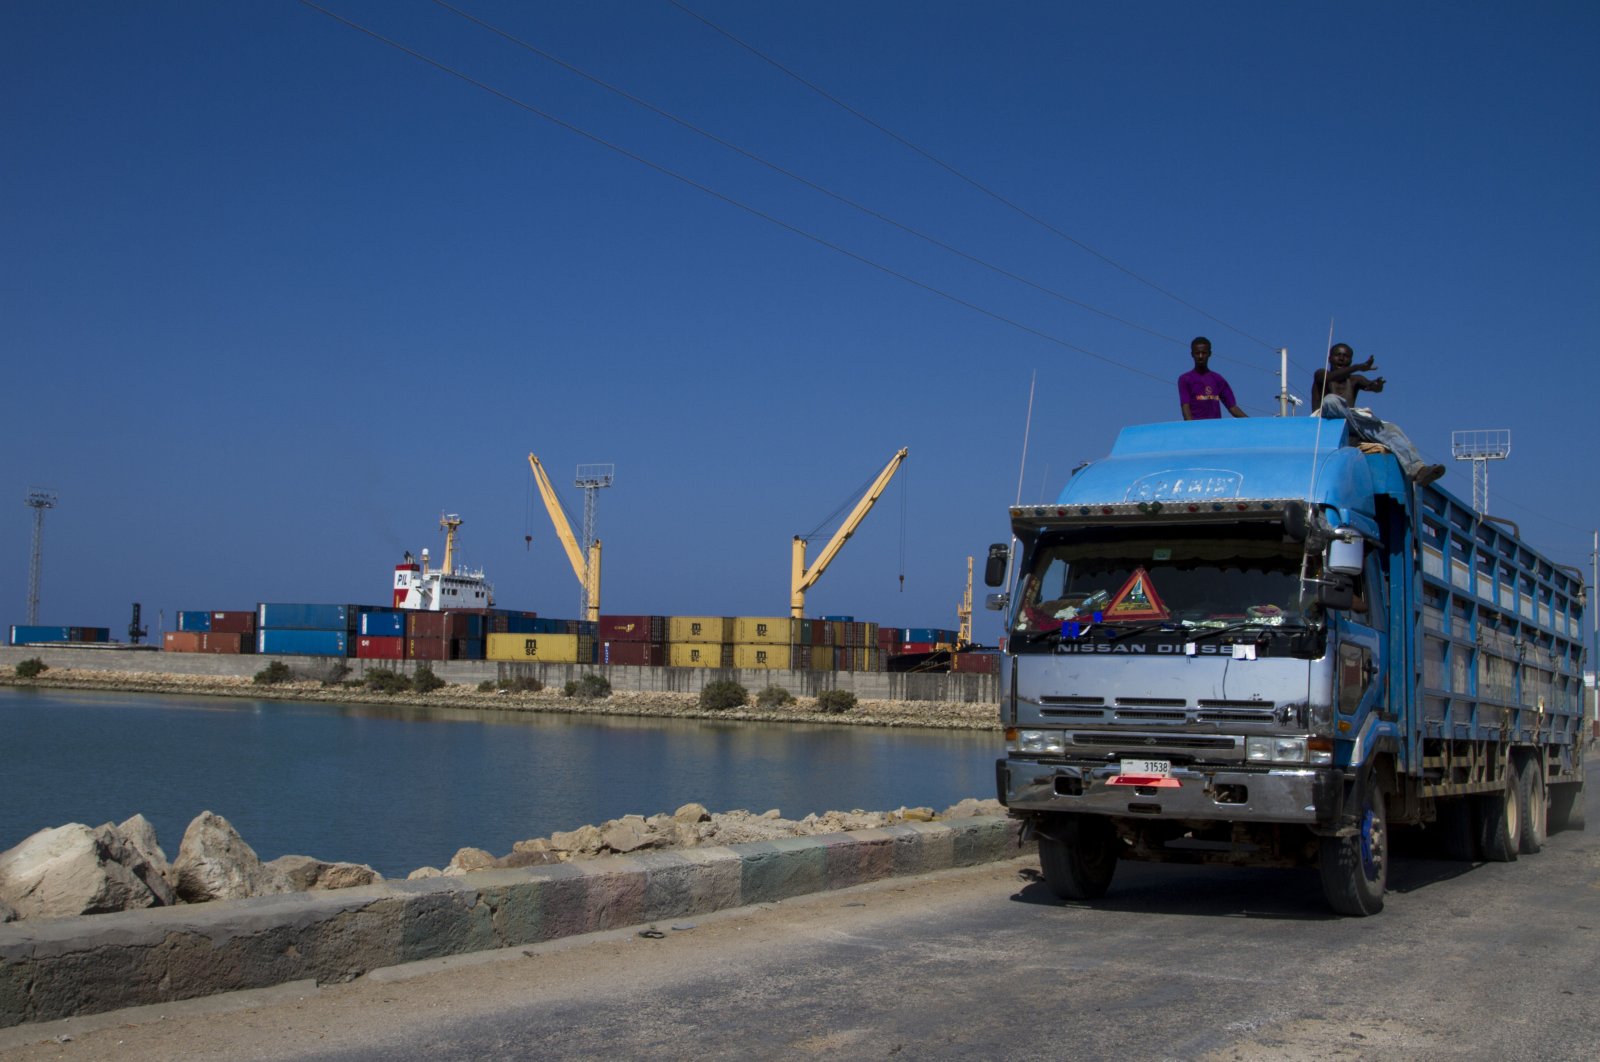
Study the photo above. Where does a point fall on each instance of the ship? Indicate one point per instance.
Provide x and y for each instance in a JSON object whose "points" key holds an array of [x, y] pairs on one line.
{"points": [[420, 587]]}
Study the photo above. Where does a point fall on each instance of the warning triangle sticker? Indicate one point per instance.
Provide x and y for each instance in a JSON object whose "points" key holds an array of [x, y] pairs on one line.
{"points": [[1136, 600]]}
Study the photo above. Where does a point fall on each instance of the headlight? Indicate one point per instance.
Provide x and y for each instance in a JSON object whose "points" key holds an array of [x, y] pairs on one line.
{"points": [[1275, 749], [1038, 741]]}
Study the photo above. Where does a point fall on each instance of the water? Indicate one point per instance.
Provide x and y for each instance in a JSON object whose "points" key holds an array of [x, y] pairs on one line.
{"points": [[400, 788]]}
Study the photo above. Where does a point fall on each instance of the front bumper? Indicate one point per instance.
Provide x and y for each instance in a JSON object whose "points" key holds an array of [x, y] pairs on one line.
{"points": [[1303, 795]]}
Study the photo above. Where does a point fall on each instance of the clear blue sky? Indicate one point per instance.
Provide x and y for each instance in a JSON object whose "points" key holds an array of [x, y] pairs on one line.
{"points": [[275, 294]]}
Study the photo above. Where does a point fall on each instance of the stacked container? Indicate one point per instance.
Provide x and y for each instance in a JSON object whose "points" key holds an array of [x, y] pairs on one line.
{"points": [[700, 641], [381, 635], [444, 635], [22, 635], [639, 641], [306, 629]]}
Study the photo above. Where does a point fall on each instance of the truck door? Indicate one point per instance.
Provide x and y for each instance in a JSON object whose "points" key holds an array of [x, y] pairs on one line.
{"points": [[1361, 667]]}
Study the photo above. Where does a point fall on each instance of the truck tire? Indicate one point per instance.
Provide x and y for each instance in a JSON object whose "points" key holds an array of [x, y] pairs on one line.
{"points": [[1355, 869], [1532, 806], [1080, 859], [1566, 806], [1500, 820]]}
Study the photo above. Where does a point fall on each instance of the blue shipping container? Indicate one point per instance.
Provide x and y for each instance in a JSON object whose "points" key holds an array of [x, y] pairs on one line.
{"points": [[25, 634], [928, 634], [383, 624], [308, 617], [467, 649], [194, 621], [839, 619], [296, 642]]}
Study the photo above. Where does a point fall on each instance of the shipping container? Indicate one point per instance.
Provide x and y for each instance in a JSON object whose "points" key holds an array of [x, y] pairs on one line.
{"points": [[888, 636], [912, 648], [380, 647], [300, 642], [975, 663], [767, 630], [779, 657], [854, 658], [633, 654], [425, 625], [25, 634], [190, 620], [544, 648], [307, 617], [466, 648], [716, 630], [206, 642], [234, 621], [90, 634], [509, 621], [382, 625], [633, 629], [928, 634], [699, 654], [428, 648]]}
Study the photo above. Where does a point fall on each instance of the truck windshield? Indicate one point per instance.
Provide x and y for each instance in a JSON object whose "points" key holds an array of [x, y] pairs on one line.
{"points": [[1179, 577]]}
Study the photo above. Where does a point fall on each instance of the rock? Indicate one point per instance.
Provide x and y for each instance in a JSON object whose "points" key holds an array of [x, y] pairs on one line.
{"points": [[138, 832], [467, 860], [691, 813], [305, 874], [971, 807], [214, 863], [915, 815], [118, 847], [70, 870], [526, 857], [583, 841], [7, 913], [627, 834], [424, 872]]}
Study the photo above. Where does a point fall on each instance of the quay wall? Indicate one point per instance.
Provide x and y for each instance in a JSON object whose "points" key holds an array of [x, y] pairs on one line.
{"points": [[61, 967], [945, 687]]}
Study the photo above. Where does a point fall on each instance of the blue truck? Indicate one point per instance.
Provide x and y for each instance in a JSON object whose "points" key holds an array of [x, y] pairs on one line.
{"points": [[1249, 642]]}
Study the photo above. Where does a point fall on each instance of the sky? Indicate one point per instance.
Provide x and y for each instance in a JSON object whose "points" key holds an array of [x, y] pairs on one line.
{"points": [[277, 291]]}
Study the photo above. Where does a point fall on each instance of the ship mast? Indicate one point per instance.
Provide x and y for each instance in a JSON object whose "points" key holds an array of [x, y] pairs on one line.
{"points": [[449, 524]]}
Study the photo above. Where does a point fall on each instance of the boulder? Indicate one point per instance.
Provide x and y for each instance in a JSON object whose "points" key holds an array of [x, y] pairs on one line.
{"points": [[214, 863], [972, 807], [585, 840], [122, 849], [627, 834], [692, 813], [526, 857], [467, 860], [138, 832], [424, 872], [301, 873], [70, 870], [7, 913]]}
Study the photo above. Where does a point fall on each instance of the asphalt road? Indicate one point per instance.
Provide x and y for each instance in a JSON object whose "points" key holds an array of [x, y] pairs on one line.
{"points": [[1491, 961]]}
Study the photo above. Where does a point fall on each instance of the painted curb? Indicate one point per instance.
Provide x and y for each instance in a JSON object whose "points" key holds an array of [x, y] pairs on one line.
{"points": [[57, 968]]}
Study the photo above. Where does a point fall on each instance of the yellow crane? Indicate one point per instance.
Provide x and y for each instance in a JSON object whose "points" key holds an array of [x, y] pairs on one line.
{"points": [[587, 569], [964, 613], [802, 577]]}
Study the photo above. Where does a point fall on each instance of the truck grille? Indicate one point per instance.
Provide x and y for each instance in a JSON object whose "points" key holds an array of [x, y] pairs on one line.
{"points": [[1170, 741]]}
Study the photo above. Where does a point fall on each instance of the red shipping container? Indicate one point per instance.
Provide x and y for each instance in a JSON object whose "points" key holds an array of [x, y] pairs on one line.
{"points": [[204, 642], [427, 625], [904, 648], [234, 622], [181, 641], [633, 654], [428, 648], [633, 629], [975, 663], [379, 647], [227, 642]]}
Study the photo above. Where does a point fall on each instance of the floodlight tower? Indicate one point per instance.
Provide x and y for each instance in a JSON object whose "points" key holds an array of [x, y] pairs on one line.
{"points": [[590, 479], [1481, 446], [39, 499]]}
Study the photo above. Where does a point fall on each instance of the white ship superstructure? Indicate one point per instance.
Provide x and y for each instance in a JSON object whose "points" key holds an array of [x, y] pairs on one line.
{"points": [[428, 589]]}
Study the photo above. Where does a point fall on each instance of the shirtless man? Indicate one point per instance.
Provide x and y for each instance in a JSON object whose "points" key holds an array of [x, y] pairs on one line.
{"points": [[1333, 395]]}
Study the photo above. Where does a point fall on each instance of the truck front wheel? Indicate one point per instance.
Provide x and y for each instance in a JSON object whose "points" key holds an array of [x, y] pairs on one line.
{"points": [[1078, 857], [1355, 869]]}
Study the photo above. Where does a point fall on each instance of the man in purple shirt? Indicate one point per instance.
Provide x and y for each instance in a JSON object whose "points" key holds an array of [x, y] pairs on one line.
{"points": [[1203, 393]]}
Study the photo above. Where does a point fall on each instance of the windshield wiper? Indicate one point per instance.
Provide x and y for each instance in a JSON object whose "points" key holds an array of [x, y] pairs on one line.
{"points": [[1252, 624]]}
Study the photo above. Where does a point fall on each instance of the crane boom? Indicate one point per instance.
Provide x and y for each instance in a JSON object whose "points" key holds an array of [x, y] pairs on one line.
{"points": [[586, 569], [803, 578]]}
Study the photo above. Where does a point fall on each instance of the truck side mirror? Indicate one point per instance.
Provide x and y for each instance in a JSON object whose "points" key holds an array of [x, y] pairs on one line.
{"points": [[1296, 524], [994, 567], [1337, 591]]}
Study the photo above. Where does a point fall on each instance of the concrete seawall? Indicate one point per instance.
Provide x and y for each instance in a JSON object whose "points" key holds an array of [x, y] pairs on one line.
{"points": [[56, 968], [867, 685]]}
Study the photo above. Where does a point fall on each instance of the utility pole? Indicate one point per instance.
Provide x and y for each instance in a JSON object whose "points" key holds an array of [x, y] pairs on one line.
{"points": [[39, 499], [591, 479]]}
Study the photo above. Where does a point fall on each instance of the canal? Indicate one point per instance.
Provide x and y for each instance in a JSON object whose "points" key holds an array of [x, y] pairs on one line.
{"points": [[399, 787]]}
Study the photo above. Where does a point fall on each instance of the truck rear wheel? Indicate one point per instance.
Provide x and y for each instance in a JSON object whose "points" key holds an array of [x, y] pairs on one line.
{"points": [[1355, 869], [1533, 806], [1079, 857], [1500, 820]]}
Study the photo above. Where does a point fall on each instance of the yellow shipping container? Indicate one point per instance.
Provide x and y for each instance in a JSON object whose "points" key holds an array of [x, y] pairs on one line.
{"points": [[699, 654], [766, 630], [542, 648], [716, 630], [762, 656]]}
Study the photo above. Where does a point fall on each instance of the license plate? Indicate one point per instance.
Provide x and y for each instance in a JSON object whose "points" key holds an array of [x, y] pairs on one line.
{"points": [[1149, 768]]}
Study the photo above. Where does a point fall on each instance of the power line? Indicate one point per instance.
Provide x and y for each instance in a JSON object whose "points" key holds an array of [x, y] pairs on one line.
{"points": [[754, 211], [807, 182], [959, 175]]}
